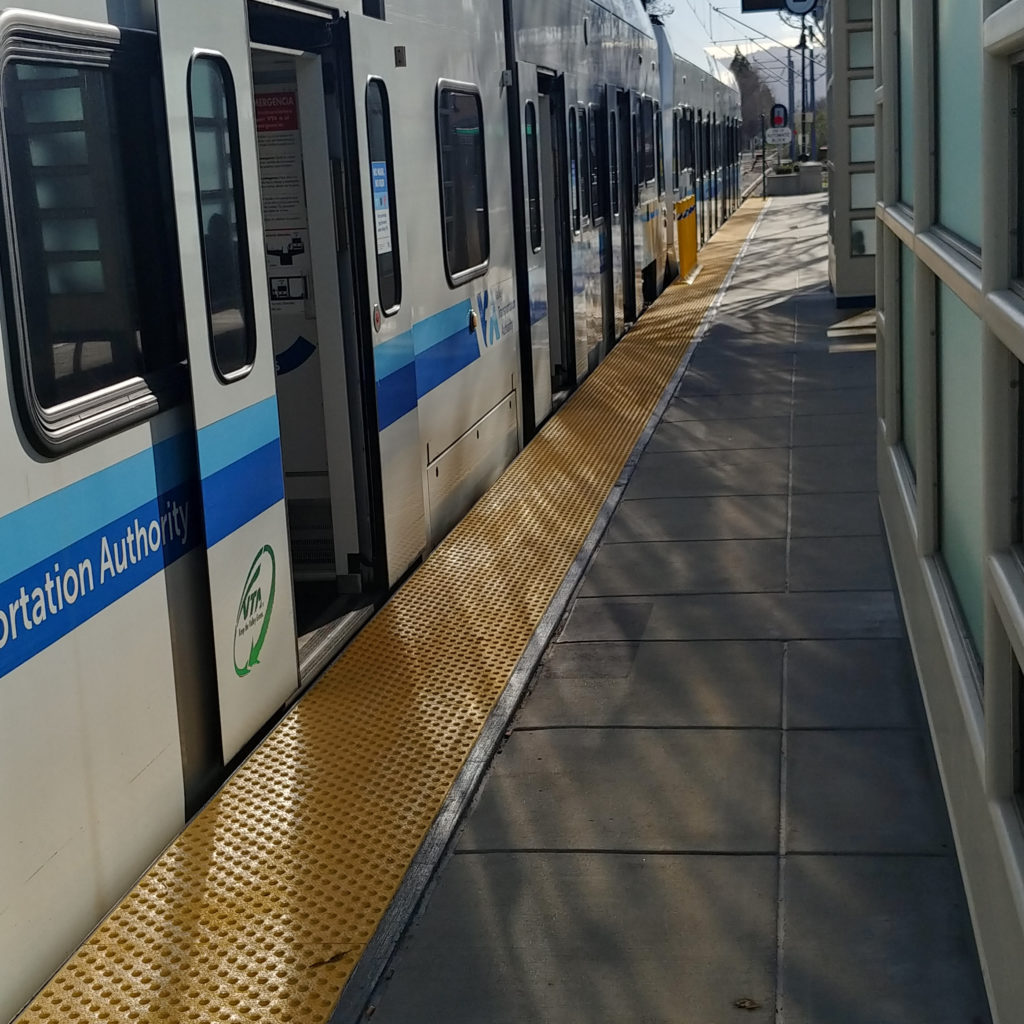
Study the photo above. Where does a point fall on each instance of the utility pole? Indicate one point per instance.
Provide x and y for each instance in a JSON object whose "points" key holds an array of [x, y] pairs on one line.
{"points": [[792, 106], [814, 112], [764, 162], [803, 87]]}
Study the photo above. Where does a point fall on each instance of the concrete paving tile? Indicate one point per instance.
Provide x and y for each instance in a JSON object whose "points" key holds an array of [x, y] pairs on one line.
{"points": [[630, 789], [712, 435], [697, 474], [839, 563], [862, 791], [658, 684], [819, 370], [835, 515], [878, 940], [851, 428], [714, 407], [687, 567], [850, 684], [835, 470], [589, 661], [714, 518], [728, 379], [587, 939], [800, 616], [841, 401]]}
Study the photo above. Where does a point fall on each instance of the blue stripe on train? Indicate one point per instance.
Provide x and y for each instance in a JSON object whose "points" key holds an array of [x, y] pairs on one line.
{"points": [[47, 600], [56, 520], [241, 491], [415, 362]]}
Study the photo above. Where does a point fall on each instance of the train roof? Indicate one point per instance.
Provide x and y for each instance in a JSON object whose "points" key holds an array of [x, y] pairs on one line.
{"points": [[630, 11], [692, 46]]}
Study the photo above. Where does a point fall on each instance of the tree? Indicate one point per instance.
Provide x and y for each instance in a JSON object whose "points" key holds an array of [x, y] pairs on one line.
{"points": [[755, 96]]}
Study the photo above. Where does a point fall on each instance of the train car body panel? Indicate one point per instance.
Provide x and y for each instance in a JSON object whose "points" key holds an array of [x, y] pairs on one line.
{"points": [[210, 107], [146, 519]]}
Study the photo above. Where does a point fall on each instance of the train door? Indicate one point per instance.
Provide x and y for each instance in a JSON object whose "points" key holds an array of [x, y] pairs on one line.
{"points": [[698, 181], [628, 199], [231, 362], [533, 245], [299, 152], [554, 188]]}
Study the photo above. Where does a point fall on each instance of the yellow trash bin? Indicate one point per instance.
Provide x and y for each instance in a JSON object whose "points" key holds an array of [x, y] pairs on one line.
{"points": [[686, 231]]}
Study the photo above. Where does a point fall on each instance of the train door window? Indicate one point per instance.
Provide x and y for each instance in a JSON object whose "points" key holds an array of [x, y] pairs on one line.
{"points": [[97, 309], [460, 145], [574, 169], [596, 207], [385, 212], [647, 174], [675, 150], [659, 147], [614, 162], [532, 176], [221, 217], [584, 178]]}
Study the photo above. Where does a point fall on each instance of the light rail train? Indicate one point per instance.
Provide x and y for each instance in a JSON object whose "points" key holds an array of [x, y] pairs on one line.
{"points": [[285, 286]]}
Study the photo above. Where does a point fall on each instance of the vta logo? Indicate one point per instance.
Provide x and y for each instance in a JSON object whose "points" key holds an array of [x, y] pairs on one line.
{"points": [[490, 330], [254, 608]]}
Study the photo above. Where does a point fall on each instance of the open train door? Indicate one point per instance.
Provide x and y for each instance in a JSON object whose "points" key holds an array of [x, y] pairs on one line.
{"points": [[205, 55], [533, 243]]}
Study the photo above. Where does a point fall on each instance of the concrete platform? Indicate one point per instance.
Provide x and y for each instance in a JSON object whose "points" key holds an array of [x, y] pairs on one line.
{"points": [[719, 801]]}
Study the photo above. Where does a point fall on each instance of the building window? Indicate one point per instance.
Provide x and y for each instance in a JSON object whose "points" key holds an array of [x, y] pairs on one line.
{"points": [[908, 356], [862, 53], [862, 144], [862, 237], [221, 217], [97, 290], [862, 97], [957, 124], [906, 101], [862, 190], [532, 176], [382, 183], [460, 144], [960, 472]]}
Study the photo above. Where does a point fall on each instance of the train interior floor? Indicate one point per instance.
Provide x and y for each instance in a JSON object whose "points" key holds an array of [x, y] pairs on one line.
{"points": [[718, 800]]}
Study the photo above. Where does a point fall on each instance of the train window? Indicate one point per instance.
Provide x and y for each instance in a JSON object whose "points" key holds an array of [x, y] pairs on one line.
{"points": [[675, 150], [648, 158], [574, 166], [221, 217], [382, 183], [460, 143], [659, 147], [596, 207], [96, 322], [614, 170], [532, 175], [584, 182]]}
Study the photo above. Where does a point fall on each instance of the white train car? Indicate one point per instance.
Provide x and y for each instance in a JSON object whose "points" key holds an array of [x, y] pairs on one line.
{"points": [[701, 123], [285, 286]]}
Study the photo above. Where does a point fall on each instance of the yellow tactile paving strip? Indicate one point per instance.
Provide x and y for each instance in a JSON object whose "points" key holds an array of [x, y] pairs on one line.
{"points": [[262, 907]]}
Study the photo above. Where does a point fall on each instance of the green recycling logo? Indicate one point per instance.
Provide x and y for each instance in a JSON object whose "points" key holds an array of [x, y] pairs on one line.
{"points": [[253, 619]]}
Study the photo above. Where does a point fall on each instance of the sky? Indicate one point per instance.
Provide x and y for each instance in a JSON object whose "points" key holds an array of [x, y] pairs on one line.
{"points": [[722, 30]]}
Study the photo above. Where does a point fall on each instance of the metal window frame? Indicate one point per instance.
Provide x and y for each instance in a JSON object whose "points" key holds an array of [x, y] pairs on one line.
{"points": [[58, 430]]}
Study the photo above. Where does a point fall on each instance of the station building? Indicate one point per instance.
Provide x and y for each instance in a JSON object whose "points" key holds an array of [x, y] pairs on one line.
{"points": [[950, 301]]}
